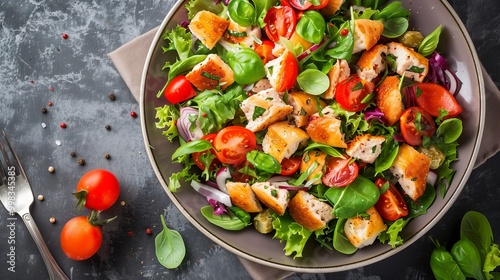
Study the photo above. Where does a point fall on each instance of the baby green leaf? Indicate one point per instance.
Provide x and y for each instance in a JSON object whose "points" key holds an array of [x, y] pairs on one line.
{"points": [[430, 42], [169, 247], [313, 81]]}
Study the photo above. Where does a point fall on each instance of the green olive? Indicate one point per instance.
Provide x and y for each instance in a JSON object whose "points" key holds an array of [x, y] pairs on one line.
{"points": [[263, 221], [436, 156], [411, 39]]}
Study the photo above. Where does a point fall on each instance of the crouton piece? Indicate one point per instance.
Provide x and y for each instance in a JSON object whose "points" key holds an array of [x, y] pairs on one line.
{"points": [[211, 73], [263, 109], [271, 196], [276, 68], [283, 139], [367, 32], [308, 159], [326, 130], [339, 72], [261, 85], [371, 63], [331, 8], [362, 232], [365, 147], [309, 212], [411, 169], [389, 100], [244, 36], [242, 196], [408, 62], [208, 27], [304, 105]]}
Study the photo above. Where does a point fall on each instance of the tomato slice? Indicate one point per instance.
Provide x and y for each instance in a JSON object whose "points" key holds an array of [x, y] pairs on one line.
{"points": [[288, 77], [416, 123], [232, 144], [178, 90], [434, 98], [290, 165], [340, 172], [265, 51], [306, 5], [391, 205], [239, 174], [351, 92], [196, 155], [280, 22]]}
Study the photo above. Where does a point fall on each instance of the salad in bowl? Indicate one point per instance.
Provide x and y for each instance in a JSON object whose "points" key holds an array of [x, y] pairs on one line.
{"points": [[326, 127]]}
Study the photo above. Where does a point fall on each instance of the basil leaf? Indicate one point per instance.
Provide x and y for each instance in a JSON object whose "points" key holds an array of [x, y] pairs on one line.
{"points": [[225, 221], [242, 12], [395, 27], [430, 42], [247, 66], [257, 112], [449, 130], [311, 26], [199, 145], [340, 241], [313, 81], [419, 207], [389, 152], [329, 150], [169, 247], [264, 162]]}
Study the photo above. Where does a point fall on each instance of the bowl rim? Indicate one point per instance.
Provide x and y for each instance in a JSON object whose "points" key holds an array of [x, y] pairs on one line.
{"points": [[353, 265]]}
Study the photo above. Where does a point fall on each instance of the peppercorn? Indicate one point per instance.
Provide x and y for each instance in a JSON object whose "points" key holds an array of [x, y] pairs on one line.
{"points": [[52, 220], [108, 127], [63, 125], [107, 156], [65, 36], [73, 154], [51, 169], [44, 110], [112, 96], [149, 231], [81, 161], [40, 197], [133, 114]]}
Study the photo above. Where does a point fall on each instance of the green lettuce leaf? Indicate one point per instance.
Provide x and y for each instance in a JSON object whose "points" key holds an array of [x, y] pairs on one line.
{"points": [[492, 261], [166, 116], [391, 235], [292, 233]]}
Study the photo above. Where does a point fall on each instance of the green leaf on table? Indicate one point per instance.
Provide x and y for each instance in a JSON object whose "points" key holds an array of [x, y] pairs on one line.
{"points": [[169, 247]]}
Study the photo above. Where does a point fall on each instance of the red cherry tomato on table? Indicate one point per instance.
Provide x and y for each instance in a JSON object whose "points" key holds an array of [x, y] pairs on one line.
{"points": [[178, 90], [416, 123], [98, 189], [265, 51], [290, 165], [340, 172], [233, 143], [433, 98], [196, 155], [80, 239], [350, 93], [391, 205], [280, 22], [306, 5]]}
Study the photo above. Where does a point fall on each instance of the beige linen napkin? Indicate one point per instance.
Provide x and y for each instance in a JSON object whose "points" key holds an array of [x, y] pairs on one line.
{"points": [[129, 60]]}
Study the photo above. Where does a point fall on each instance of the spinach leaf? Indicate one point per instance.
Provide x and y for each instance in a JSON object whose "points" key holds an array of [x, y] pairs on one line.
{"points": [[225, 221], [449, 130], [311, 26], [389, 152], [419, 207], [190, 147], [340, 241], [342, 45], [395, 27], [313, 81], [467, 257], [169, 247], [354, 199], [476, 227], [242, 12], [329, 150], [443, 265]]}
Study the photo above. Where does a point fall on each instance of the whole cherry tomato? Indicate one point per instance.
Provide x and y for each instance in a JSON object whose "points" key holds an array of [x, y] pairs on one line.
{"points": [[97, 190]]}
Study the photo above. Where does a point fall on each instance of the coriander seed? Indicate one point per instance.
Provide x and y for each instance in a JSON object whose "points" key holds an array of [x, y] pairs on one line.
{"points": [[51, 169], [40, 197], [52, 220]]}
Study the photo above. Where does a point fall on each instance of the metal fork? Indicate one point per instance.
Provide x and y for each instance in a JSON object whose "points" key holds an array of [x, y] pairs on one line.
{"points": [[17, 197]]}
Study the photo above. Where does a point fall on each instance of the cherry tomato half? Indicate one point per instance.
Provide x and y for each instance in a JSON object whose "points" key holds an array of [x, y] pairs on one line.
{"points": [[340, 172], [265, 51], [391, 205], [80, 239], [307, 5], [433, 98], [178, 90], [350, 93], [196, 155], [233, 143], [280, 22], [290, 165], [416, 123], [97, 189], [239, 172]]}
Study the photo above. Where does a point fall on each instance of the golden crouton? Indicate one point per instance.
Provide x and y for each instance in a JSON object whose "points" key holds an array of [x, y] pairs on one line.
{"points": [[367, 32], [389, 99], [362, 232], [208, 27], [309, 212], [304, 105], [273, 197], [211, 73], [282, 140], [242, 196], [326, 130], [365, 147]]}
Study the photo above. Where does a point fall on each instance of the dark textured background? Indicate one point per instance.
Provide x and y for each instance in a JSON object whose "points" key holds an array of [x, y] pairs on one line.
{"points": [[37, 66]]}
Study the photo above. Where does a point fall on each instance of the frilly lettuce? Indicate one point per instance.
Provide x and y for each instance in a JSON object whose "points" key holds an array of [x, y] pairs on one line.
{"points": [[292, 233]]}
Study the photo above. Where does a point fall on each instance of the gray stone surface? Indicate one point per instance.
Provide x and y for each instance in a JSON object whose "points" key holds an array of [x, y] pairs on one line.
{"points": [[38, 66]]}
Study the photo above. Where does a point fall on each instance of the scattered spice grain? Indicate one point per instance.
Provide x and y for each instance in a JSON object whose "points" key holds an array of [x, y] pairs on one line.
{"points": [[52, 220], [81, 161], [40, 197], [44, 110], [51, 169]]}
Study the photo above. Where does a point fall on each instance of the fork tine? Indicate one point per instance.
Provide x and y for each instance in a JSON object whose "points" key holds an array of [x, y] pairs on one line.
{"points": [[3, 171], [13, 152]]}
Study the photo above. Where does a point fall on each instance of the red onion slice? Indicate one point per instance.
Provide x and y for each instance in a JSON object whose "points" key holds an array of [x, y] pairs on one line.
{"points": [[222, 175], [212, 193], [432, 178], [183, 124]]}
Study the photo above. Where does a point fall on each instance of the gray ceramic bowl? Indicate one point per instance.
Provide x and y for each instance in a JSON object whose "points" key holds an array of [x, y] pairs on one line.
{"points": [[455, 44]]}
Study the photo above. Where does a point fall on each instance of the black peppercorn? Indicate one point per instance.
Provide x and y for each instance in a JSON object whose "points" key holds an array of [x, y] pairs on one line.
{"points": [[73, 154], [108, 127], [112, 96], [81, 161], [107, 156], [44, 110]]}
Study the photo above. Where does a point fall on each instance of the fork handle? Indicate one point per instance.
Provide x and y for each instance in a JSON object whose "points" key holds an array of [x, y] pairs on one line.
{"points": [[55, 272]]}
